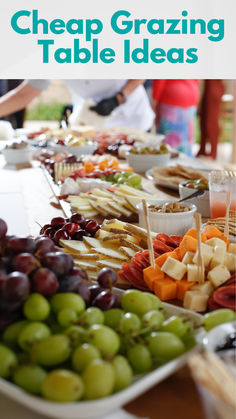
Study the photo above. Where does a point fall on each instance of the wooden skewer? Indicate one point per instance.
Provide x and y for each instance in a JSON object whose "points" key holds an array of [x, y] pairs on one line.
{"points": [[212, 373], [200, 266], [226, 229], [150, 244]]}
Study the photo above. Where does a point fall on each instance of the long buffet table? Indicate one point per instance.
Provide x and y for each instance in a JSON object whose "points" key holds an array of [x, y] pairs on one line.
{"points": [[24, 202]]}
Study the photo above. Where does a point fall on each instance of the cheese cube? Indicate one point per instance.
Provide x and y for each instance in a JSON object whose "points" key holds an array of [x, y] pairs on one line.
{"points": [[230, 261], [192, 273], [232, 248], [188, 257], [205, 288], [218, 275], [195, 301], [174, 268], [215, 241], [207, 253], [218, 256]]}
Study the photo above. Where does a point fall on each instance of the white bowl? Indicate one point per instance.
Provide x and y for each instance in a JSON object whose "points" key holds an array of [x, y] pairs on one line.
{"points": [[176, 224], [142, 162], [6, 130], [202, 202], [18, 156], [77, 150]]}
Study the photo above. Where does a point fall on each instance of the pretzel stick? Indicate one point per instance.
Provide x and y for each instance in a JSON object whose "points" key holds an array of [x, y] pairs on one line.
{"points": [[200, 267], [149, 237]]}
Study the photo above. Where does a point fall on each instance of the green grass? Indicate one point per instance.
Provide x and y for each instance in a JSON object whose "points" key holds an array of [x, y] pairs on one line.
{"points": [[45, 112]]}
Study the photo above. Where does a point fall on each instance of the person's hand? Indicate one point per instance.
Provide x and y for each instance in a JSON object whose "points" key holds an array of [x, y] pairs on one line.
{"points": [[154, 104], [105, 106]]}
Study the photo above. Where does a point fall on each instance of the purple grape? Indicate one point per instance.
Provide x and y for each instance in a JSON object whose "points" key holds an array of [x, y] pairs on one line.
{"points": [[60, 263], [57, 222], [16, 245], [95, 290], [44, 245], [84, 292], [71, 281], [92, 226], [15, 291], [117, 303], [60, 235], [3, 279], [77, 218], [107, 278], [24, 262], [44, 228], [105, 300], [3, 228], [80, 234], [45, 282]]}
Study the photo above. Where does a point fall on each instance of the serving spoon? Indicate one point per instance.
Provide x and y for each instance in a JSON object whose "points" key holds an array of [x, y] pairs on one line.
{"points": [[199, 192]]}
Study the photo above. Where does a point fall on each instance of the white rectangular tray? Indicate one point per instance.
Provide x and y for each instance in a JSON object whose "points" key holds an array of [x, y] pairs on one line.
{"points": [[99, 408]]}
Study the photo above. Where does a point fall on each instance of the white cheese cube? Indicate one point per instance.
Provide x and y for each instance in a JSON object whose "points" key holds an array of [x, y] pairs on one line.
{"points": [[232, 248], [207, 253], [174, 268], [195, 301], [188, 257], [215, 241], [230, 261], [205, 288], [218, 256], [218, 275], [192, 273]]}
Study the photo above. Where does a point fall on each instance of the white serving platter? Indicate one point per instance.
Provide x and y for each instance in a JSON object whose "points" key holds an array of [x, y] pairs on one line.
{"points": [[167, 185], [99, 408]]}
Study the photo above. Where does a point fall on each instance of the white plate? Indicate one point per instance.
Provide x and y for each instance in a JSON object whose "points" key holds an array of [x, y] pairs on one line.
{"points": [[99, 408], [167, 185]]}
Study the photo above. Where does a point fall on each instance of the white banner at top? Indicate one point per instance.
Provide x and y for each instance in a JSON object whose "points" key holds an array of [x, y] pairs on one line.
{"points": [[118, 39]]}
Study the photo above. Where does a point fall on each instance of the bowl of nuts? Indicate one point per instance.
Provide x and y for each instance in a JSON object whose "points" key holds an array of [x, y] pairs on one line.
{"points": [[172, 218]]}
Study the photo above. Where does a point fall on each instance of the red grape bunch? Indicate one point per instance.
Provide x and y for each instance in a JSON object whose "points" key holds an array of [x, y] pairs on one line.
{"points": [[34, 265], [74, 228]]}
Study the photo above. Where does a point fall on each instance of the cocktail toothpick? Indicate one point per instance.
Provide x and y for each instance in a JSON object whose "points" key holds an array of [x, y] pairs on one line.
{"points": [[226, 229], [200, 266], [150, 244]]}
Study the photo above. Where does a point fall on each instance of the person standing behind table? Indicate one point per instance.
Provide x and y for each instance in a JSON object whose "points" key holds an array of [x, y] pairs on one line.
{"points": [[209, 116], [124, 101], [175, 103]]}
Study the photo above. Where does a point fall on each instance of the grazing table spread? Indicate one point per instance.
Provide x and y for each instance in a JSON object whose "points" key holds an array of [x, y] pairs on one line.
{"points": [[27, 204]]}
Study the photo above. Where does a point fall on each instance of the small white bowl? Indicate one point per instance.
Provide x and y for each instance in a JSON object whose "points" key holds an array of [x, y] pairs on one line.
{"points": [[217, 335], [6, 131], [177, 223], [202, 202], [18, 156], [142, 162]]}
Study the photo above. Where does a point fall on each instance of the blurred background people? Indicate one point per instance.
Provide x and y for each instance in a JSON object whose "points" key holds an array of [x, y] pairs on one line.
{"points": [[122, 103], [175, 103], [209, 116], [16, 118]]}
